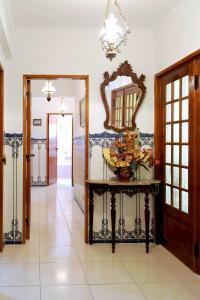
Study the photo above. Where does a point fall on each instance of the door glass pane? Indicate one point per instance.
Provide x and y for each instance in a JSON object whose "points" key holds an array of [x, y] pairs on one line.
{"points": [[176, 111], [176, 89], [168, 194], [185, 86], [176, 133], [168, 174], [176, 155], [185, 132], [168, 113], [185, 179], [168, 154], [168, 133], [185, 155], [176, 176], [168, 92], [185, 109], [176, 198], [184, 204]]}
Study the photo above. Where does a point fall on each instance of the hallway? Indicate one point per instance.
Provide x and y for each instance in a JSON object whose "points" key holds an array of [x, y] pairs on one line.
{"points": [[56, 264]]}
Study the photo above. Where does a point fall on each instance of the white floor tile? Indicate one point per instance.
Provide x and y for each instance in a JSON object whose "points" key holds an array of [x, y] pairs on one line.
{"points": [[70, 292], [58, 254], [167, 291], [106, 272], [19, 274], [146, 271], [117, 292], [96, 252], [20, 254], [20, 293], [62, 274], [56, 239]]}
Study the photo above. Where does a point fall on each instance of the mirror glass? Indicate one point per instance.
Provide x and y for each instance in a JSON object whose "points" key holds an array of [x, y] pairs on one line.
{"points": [[122, 97]]}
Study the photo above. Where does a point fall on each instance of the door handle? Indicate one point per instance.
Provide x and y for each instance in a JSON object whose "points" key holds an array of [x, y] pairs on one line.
{"points": [[3, 159]]}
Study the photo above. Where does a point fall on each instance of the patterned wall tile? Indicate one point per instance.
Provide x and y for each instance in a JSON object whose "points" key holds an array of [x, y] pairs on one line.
{"points": [[38, 162], [130, 212], [13, 188]]}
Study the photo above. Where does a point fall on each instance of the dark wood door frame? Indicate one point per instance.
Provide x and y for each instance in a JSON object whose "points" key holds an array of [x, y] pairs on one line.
{"points": [[27, 78], [1, 152], [47, 161], [194, 141]]}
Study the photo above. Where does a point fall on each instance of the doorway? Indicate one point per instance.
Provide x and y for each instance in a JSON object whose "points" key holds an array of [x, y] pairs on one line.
{"points": [[177, 142], [2, 158], [59, 148], [27, 156]]}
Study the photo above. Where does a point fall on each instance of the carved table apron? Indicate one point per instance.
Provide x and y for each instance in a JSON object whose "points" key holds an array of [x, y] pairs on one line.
{"points": [[130, 188]]}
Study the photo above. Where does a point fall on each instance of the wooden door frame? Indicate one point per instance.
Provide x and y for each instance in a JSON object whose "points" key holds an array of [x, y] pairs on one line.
{"points": [[54, 77], [47, 150], [1, 152], [158, 137]]}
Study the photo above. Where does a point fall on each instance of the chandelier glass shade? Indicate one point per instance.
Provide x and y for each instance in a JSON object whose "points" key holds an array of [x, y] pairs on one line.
{"points": [[48, 90], [113, 35], [63, 107]]}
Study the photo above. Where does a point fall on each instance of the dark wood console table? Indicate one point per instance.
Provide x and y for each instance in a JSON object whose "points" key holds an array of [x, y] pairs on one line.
{"points": [[130, 188]]}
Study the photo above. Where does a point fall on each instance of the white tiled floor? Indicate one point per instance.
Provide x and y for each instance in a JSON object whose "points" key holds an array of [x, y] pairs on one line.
{"points": [[57, 264]]}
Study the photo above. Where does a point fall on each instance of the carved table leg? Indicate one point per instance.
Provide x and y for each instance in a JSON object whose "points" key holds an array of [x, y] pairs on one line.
{"points": [[147, 220], [91, 215], [113, 220]]}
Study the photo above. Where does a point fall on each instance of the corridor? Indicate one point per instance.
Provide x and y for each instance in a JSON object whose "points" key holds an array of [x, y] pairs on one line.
{"points": [[56, 264]]}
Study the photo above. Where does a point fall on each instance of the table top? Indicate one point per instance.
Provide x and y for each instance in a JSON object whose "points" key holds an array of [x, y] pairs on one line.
{"points": [[116, 181]]}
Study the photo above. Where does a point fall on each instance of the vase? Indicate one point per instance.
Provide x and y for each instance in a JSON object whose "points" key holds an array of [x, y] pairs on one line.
{"points": [[124, 174]]}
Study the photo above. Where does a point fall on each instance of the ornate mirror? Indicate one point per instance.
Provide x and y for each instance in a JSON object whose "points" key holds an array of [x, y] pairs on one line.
{"points": [[122, 94]]}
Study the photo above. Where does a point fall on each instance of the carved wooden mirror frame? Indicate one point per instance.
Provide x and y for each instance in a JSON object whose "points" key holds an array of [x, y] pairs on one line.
{"points": [[124, 69]]}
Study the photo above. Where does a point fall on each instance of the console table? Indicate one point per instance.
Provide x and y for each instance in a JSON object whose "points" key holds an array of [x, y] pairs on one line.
{"points": [[130, 188]]}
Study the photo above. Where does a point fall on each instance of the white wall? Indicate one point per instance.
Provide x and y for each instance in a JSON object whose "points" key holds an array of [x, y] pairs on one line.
{"points": [[74, 53], [178, 35], [40, 108]]}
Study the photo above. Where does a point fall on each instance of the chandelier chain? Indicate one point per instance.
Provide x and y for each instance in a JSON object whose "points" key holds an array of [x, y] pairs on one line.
{"points": [[120, 11]]}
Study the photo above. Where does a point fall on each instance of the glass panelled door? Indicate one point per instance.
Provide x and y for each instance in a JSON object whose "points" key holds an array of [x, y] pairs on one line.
{"points": [[177, 143], [177, 151]]}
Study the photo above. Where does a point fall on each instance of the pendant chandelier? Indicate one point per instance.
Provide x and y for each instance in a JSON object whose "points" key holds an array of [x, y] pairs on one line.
{"points": [[63, 107], [112, 35], [48, 90]]}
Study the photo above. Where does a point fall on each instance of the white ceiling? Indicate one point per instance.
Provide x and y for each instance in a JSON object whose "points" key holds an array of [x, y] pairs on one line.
{"points": [[63, 14]]}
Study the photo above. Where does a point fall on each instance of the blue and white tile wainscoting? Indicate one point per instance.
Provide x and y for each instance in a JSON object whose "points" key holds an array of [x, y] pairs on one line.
{"points": [[13, 193], [130, 224], [38, 162]]}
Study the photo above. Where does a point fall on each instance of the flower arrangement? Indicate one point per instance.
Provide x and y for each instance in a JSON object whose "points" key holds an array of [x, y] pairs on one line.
{"points": [[125, 156]]}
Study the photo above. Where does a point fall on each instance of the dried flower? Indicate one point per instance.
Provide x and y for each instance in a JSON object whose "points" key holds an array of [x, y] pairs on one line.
{"points": [[126, 153]]}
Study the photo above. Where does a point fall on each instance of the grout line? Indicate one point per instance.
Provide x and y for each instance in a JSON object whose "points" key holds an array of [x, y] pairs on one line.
{"points": [[187, 285]]}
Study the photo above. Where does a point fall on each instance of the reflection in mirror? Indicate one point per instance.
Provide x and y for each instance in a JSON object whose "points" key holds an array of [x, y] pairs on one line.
{"points": [[122, 94]]}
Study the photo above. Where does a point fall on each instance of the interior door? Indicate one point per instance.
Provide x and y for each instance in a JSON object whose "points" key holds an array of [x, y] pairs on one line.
{"points": [[27, 161], [52, 149], [177, 124], [2, 159]]}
